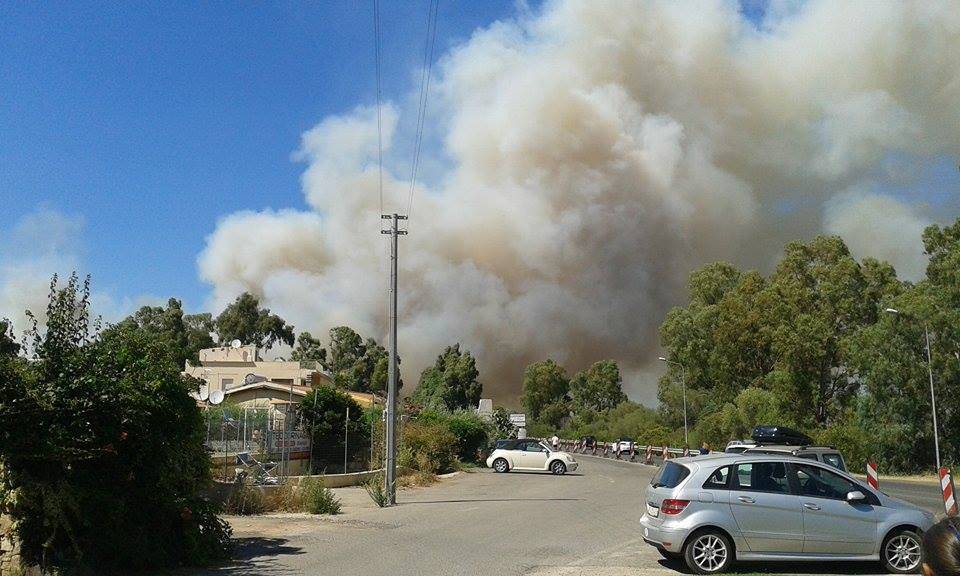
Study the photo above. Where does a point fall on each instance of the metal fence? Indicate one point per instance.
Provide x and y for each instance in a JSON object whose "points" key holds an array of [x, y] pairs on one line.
{"points": [[239, 438]]}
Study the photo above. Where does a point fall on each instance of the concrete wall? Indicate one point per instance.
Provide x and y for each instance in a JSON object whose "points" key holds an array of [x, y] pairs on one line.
{"points": [[221, 491]]}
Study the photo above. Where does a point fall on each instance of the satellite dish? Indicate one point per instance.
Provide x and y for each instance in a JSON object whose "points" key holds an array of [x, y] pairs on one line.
{"points": [[252, 378], [236, 344], [216, 397], [204, 393]]}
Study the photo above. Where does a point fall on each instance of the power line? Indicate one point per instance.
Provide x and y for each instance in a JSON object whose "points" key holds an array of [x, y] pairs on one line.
{"points": [[425, 74], [376, 42]]}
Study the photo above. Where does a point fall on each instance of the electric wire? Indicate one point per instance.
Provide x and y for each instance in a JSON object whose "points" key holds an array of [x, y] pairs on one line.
{"points": [[425, 75]]}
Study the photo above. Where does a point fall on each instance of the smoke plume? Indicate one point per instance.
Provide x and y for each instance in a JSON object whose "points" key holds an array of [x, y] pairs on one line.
{"points": [[593, 153]]}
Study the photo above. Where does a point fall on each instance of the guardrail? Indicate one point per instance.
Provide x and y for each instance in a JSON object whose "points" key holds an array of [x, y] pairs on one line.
{"points": [[647, 454]]}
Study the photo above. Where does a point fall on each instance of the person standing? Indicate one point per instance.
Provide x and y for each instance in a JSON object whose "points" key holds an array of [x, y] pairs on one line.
{"points": [[704, 449], [555, 442]]}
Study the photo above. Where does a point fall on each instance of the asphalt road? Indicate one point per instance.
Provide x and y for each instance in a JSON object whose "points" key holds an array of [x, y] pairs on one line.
{"points": [[479, 523]]}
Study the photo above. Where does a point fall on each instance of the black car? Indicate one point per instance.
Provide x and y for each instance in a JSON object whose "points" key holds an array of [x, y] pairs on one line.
{"points": [[588, 442]]}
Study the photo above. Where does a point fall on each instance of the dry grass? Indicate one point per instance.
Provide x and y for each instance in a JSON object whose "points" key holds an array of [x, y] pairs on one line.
{"points": [[416, 479], [285, 498]]}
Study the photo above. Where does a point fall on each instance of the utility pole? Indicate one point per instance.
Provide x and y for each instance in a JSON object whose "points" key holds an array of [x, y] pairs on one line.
{"points": [[391, 413]]}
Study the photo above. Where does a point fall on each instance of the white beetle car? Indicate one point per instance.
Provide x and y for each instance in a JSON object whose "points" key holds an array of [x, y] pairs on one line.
{"points": [[529, 454]]}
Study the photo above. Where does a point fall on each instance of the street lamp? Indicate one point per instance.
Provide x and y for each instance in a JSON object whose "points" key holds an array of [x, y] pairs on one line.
{"points": [[933, 398], [683, 384]]}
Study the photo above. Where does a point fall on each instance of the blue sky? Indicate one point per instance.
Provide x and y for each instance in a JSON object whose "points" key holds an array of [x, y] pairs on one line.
{"points": [[149, 121]]}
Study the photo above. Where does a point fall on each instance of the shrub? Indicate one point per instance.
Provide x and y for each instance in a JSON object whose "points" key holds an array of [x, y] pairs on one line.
{"points": [[207, 537], [245, 500], [102, 448], [471, 433], [284, 498], [317, 498], [376, 490], [428, 447]]}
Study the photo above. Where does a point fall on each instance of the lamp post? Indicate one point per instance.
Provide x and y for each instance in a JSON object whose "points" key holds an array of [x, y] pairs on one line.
{"points": [[683, 384], [933, 398]]}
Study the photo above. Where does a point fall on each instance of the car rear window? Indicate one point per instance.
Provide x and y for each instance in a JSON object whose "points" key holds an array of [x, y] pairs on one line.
{"points": [[834, 460], [670, 475]]}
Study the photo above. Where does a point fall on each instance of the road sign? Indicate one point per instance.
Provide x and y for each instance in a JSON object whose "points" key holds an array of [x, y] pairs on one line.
{"points": [[518, 420], [946, 484], [872, 477]]}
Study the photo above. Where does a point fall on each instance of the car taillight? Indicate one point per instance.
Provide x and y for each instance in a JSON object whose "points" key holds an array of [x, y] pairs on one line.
{"points": [[673, 507]]}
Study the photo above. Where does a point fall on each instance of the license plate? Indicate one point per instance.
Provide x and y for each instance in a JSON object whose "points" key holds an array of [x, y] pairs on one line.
{"points": [[652, 511]]}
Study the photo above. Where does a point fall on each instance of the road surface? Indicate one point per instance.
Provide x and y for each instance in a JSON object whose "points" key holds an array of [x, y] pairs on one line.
{"points": [[478, 524]]}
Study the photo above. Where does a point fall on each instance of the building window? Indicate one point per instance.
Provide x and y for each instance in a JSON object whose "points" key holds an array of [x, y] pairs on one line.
{"points": [[227, 383]]}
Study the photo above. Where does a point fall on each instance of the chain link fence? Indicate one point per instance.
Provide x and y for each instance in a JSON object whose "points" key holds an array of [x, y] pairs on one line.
{"points": [[270, 443]]}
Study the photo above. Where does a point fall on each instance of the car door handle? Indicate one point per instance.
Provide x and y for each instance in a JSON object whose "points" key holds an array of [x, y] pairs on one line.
{"points": [[746, 499], [810, 506]]}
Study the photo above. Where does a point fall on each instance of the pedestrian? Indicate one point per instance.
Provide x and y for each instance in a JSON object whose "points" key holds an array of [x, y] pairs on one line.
{"points": [[556, 442], [941, 548], [704, 449]]}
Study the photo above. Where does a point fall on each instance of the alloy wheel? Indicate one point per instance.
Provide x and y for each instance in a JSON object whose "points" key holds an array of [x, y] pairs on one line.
{"points": [[500, 465], [709, 553], [558, 467], [903, 553]]}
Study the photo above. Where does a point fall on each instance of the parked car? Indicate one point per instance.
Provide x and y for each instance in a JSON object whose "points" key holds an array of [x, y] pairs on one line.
{"points": [[530, 454], [738, 446], [624, 444], [716, 509], [826, 454]]}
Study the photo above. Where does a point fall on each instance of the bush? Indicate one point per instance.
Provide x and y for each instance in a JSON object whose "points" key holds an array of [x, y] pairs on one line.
{"points": [[471, 433], [245, 500], [317, 498], [376, 490], [207, 538], [102, 448], [428, 447], [284, 498]]}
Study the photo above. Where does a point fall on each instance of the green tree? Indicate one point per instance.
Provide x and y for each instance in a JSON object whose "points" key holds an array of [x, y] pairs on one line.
{"points": [[452, 382], [502, 427], [200, 329], [544, 383], [8, 345], [346, 348], [246, 321], [183, 335], [102, 448], [323, 412], [598, 388], [309, 349]]}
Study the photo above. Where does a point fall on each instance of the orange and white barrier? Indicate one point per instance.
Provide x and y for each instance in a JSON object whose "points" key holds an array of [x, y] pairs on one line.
{"points": [[666, 453], [946, 484], [649, 458], [872, 477]]}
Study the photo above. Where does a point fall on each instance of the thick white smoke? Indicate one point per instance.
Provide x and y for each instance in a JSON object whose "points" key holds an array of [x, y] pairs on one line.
{"points": [[597, 152]]}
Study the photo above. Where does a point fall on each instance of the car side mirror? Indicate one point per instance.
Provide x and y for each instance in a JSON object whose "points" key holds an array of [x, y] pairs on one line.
{"points": [[855, 497]]}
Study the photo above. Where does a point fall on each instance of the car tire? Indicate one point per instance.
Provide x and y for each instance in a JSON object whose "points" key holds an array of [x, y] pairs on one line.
{"points": [[901, 552], [708, 552], [500, 465], [558, 468]]}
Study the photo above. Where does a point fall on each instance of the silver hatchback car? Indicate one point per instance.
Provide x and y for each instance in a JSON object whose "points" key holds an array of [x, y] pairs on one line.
{"points": [[714, 509]]}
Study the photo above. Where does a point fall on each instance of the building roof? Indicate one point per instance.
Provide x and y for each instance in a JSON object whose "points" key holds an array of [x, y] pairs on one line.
{"points": [[364, 399]]}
